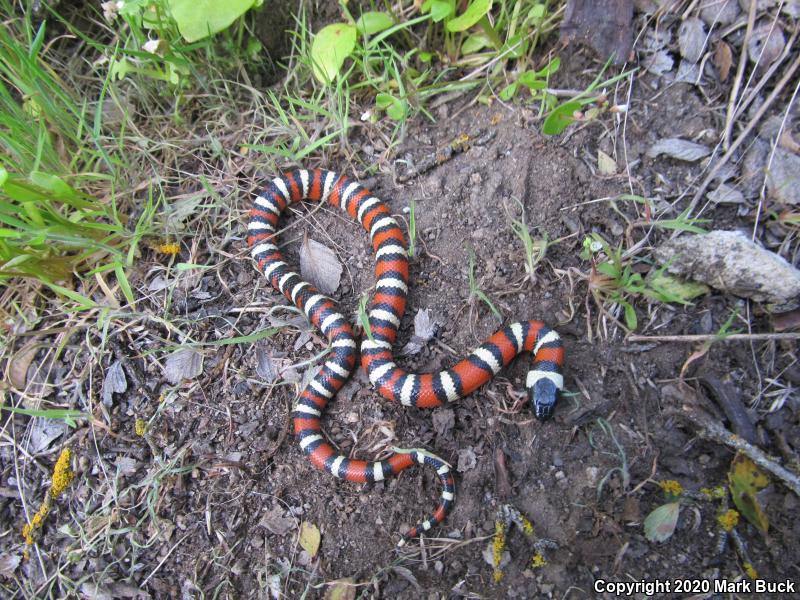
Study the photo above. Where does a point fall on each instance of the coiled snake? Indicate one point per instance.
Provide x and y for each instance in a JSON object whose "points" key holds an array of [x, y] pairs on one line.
{"points": [[427, 390]]}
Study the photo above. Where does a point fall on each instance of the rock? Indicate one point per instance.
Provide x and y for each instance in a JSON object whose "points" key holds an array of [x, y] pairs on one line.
{"points": [[729, 261], [783, 177]]}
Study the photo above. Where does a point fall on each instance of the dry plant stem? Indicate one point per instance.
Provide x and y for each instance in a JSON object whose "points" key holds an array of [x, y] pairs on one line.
{"points": [[734, 337], [751, 19], [787, 77], [711, 430]]}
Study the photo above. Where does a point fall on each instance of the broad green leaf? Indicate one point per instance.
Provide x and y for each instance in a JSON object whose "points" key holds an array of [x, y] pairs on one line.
{"points": [[550, 68], [630, 315], [373, 22], [558, 120], [394, 107], [508, 92], [439, 9], [3, 176], [198, 19], [475, 43], [309, 538], [476, 10], [675, 289], [331, 46], [660, 524], [745, 480]]}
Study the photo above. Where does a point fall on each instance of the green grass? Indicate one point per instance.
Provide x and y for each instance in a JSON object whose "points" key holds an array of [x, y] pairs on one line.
{"points": [[476, 292]]}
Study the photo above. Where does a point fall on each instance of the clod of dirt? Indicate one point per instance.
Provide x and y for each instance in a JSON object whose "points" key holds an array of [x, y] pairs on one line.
{"points": [[783, 177], [729, 261], [466, 460]]}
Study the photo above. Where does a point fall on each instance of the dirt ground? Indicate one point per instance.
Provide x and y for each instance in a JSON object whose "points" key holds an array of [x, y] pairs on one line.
{"points": [[231, 487]]}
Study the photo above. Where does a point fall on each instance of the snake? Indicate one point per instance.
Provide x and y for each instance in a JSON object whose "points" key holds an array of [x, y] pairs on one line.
{"points": [[543, 383]]}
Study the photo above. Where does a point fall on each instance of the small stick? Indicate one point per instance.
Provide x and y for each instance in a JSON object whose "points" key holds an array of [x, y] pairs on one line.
{"points": [[710, 429], [751, 19], [711, 337]]}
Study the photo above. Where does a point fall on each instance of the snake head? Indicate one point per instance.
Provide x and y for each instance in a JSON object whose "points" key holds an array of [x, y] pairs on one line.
{"points": [[543, 396]]}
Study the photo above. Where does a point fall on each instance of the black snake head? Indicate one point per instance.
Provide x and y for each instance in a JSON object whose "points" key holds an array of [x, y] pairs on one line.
{"points": [[543, 396]]}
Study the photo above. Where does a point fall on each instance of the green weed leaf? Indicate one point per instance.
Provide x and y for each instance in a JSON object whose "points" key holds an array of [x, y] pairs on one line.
{"points": [[332, 45], [660, 524], [476, 10], [558, 120], [373, 22], [198, 19]]}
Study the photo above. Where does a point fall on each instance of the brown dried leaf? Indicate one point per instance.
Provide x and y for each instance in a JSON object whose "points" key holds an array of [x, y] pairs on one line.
{"points": [[723, 59], [276, 522], [319, 266], [19, 363], [183, 364], [424, 329]]}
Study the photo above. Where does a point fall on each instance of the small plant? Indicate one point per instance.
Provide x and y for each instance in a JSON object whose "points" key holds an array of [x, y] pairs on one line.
{"points": [[475, 291], [535, 249], [412, 229]]}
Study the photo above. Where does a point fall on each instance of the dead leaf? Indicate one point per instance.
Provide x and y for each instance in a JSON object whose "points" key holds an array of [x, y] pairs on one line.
{"points": [[745, 480], [183, 364], [466, 459], [605, 164], [786, 321], [766, 44], [502, 480], [408, 576], [443, 420], [9, 564], [660, 524], [19, 363], [94, 591], [44, 432], [275, 521], [424, 329], [114, 383], [126, 465], [680, 149], [319, 266], [341, 589], [692, 39], [723, 59], [309, 538], [659, 63], [726, 194], [270, 363]]}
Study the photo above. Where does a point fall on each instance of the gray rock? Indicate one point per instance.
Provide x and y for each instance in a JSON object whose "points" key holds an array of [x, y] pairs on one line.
{"points": [[783, 177], [729, 261]]}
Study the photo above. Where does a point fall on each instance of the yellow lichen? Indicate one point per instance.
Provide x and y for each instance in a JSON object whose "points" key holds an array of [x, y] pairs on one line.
{"points": [[538, 561], [498, 546], [168, 248], [750, 570], [716, 493], [62, 477], [729, 519], [527, 526], [498, 575], [62, 473], [671, 487], [140, 427]]}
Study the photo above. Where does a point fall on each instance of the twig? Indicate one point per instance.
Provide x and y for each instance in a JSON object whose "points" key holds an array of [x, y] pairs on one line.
{"points": [[712, 337], [751, 19], [710, 429], [787, 77]]}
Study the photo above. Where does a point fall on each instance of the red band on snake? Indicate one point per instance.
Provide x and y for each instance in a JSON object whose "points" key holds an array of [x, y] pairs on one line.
{"points": [[386, 310]]}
